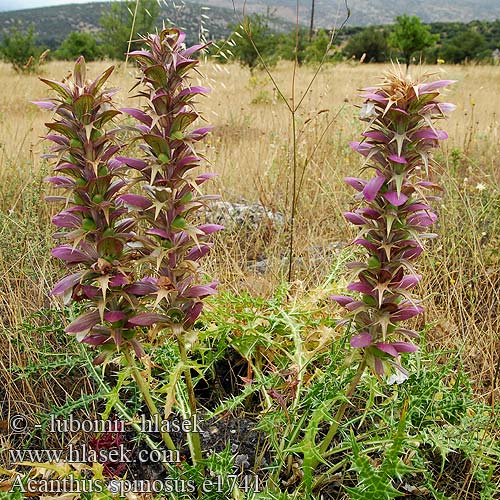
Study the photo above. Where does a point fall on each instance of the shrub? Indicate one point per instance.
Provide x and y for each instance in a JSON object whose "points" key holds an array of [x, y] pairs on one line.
{"points": [[371, 42], [20, 49], [465, 46], [254, 40], [79, 43], [126, 21]]}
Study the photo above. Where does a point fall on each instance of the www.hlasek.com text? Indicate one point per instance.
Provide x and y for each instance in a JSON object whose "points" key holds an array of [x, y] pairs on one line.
{"points": [[83, 454]]}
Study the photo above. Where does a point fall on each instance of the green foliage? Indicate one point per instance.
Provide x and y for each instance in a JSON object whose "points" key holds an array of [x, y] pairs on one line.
{"points": [[319, 46], [464, 46], [51, 32], [416, 433], [296, 45], [54, 24], [410, 36], [117, 21], [371, 42], [14, 495], [291, 46], [392, 436], [79, 43], [20, 49], [255, 42], [376, 481]]}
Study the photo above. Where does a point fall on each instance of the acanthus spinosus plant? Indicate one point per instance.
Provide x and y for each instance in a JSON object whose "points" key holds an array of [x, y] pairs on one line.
{"points": [[92, 225], [174, 241], [134, 254], [395, 215], [393, 220], [100, 238]]}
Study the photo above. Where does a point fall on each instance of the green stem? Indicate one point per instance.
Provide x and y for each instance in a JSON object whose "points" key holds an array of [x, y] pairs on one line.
{"points": [[334, 426], [122, 409], [196, 453], [146, 394]]}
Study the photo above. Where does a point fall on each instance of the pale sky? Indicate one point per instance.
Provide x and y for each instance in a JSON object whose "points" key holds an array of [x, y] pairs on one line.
{"points": [[31, 4]]}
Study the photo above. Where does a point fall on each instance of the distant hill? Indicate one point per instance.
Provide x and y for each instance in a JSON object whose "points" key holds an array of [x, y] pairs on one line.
{"points": [[53, 24], [330, 13]]}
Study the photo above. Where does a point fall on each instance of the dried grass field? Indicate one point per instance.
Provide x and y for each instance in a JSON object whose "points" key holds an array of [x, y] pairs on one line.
{"points": [[251, 150]]}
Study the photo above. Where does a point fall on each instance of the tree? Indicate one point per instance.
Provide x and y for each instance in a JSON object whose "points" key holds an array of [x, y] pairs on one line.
{"points": [[466, 45], [409, 36], [292, 45], [255, 37], [79, 43], [117, 24], [320, 48], [371, 42], [20, 49]]}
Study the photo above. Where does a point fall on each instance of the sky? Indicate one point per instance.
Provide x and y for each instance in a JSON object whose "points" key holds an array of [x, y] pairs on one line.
{"points": [[31, 4]]}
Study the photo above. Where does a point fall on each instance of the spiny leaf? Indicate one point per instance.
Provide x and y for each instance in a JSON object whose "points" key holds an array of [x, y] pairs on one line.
{"points": [[158, 144], [142, 56], [83, 107], [80, 72], [103, 118], [63, 129], [100, 80], [170, 388], [60, 88], [158, 74], [113, 397], [179, 223], [183, 120]]}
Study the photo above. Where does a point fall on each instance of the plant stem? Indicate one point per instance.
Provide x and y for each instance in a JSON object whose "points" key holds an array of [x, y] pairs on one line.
{"points": [[340, 412], [121, 408], [196, 453], [294, 199], [146, 394], [293, 111], [132, 29]]}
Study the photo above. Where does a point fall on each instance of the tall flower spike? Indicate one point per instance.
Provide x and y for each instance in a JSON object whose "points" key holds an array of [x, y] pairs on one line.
{"points": [[395, 216], [174, 243], [92, 225]]}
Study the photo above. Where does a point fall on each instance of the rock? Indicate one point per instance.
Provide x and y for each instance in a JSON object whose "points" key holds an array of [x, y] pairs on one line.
{"points": [[258, 267], [234, 216]]}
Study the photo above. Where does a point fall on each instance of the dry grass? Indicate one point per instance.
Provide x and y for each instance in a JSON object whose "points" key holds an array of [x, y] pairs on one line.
{"points": [[251, 150]]}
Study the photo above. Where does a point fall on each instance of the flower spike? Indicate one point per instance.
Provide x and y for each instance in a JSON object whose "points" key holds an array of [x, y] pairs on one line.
{"points": [[393, 222]]}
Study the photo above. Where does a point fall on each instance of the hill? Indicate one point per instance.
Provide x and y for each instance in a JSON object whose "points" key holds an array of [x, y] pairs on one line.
{"points": [[330, 13], [53, 24]]}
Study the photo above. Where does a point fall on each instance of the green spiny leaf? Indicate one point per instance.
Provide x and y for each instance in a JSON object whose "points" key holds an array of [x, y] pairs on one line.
{"points": [[83, 107]]}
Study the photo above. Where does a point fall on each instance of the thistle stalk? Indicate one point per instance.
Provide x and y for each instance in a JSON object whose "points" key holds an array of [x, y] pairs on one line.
{"points": [[332, 431], [122, 409]]}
